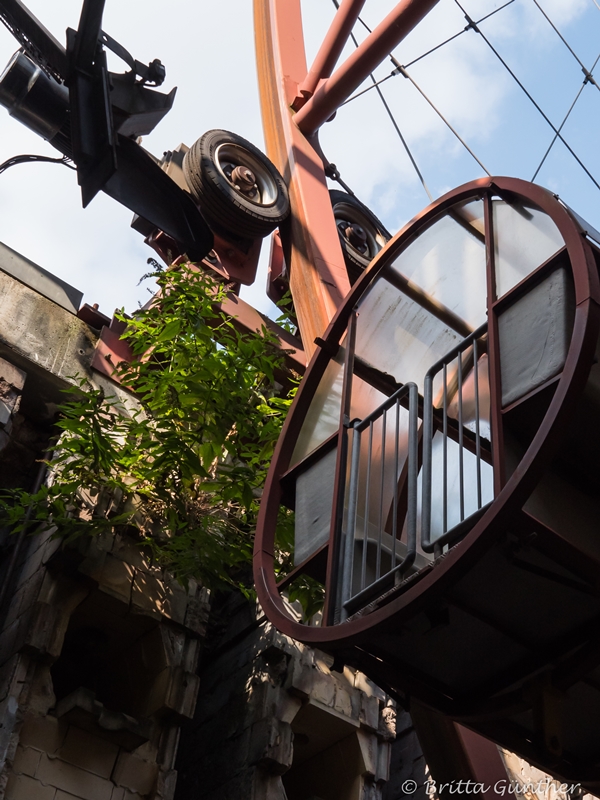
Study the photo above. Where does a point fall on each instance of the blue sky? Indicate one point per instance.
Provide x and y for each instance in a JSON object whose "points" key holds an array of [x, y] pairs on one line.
{"points": [[208, 51]]}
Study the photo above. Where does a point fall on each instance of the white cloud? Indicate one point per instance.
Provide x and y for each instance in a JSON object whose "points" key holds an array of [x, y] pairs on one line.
{"points": [[208, 51]]}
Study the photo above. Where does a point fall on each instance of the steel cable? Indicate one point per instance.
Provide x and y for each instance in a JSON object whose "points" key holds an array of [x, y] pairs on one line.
{"points": [[560, 127], [392, 118], [589, 78], [528, 95]]}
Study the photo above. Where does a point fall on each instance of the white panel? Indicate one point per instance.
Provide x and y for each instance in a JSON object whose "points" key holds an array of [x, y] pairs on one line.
{"points": [[534, 335], [314, 501]]}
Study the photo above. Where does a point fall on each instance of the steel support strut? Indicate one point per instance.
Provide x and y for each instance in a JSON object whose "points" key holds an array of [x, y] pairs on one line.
{"points": [[313, 255], [375, 49], [332, 46]]}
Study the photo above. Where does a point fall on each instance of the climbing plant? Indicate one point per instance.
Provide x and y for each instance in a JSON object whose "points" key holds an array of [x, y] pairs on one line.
{"points": [[181, 467]]}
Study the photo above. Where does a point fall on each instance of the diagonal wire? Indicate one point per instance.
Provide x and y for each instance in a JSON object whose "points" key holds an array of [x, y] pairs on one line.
{"points": [[423, 55], [403, 72], [586, 71], [393, 120], [529, 96], [560, 127], [456, 35]]}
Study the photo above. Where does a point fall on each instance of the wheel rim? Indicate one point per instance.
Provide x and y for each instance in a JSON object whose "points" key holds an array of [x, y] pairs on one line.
{"points": [[348, 219], [246, 174]]}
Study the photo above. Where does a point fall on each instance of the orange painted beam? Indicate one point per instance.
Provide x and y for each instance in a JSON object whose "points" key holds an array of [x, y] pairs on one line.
{"points": [[318, 276]]}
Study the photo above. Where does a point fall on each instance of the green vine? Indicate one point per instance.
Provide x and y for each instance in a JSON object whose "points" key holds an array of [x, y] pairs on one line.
{"points": [[184, 469]]}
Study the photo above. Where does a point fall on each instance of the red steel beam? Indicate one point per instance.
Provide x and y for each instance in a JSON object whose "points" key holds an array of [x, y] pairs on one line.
{"points": [[375, 49], [332, 46], [313, 254]]}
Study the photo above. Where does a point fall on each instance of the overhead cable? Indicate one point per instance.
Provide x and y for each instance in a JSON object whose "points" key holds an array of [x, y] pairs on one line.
{"points": [[403, 72], [560, 127], [392, 118], [589, 78], [423, 55], [528, 95]]}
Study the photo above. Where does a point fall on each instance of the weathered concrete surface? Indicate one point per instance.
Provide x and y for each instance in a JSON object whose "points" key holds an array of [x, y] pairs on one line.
{"points": [[39, 279]]}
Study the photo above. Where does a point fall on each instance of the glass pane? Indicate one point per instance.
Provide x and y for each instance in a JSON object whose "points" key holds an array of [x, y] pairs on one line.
{"points": [[398, 336], [524, 238], [323, 417], [447, 261]]}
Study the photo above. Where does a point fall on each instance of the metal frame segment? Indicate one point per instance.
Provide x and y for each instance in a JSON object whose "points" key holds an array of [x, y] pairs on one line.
{"points": [[517, 488], [375, 49], [318, 276]]}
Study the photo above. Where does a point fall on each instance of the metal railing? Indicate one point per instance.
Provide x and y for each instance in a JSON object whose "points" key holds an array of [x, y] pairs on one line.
{"points": [[466, 355], [383, 487], [404, 482]]}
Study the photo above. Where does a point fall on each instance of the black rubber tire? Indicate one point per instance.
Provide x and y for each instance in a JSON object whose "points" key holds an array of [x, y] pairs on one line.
{"points": [[349, 208], [220, 203]]}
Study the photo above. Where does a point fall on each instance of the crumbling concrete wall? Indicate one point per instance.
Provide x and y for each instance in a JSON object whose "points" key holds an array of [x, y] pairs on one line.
{"points": [[117, 738], [274, 721]]}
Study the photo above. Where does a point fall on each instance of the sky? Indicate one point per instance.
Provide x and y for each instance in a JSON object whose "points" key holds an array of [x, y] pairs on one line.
{"points": [[208, 51]]}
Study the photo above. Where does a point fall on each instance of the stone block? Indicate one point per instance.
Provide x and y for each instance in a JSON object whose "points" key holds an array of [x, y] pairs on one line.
{"points": [[307, 681], [175, 603], [43, 733], [369, 712], [174, 692], [148, 594], [134, 774], [271, 745], [8, 641], [22, 787], [162, 647], [71, 779], [167, 782], [120, 793], [384, 752], [60, 795], [6, 675], [196, 615], [89, 752], [363, 684], [46, 630], [343, 702], [26, 761], [116, 578], [369, 747], [41, 691], [32, 564], [81, 709]]}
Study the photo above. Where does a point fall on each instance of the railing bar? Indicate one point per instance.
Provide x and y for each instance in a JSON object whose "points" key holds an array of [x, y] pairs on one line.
{"points": [[396, 477], [459, 348], [398, 394], [352, 516], [413, 467], [477, 429], [382, 480], [461, 475], [363, 575], [427, 457], [372, 588], [445, 452]]}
